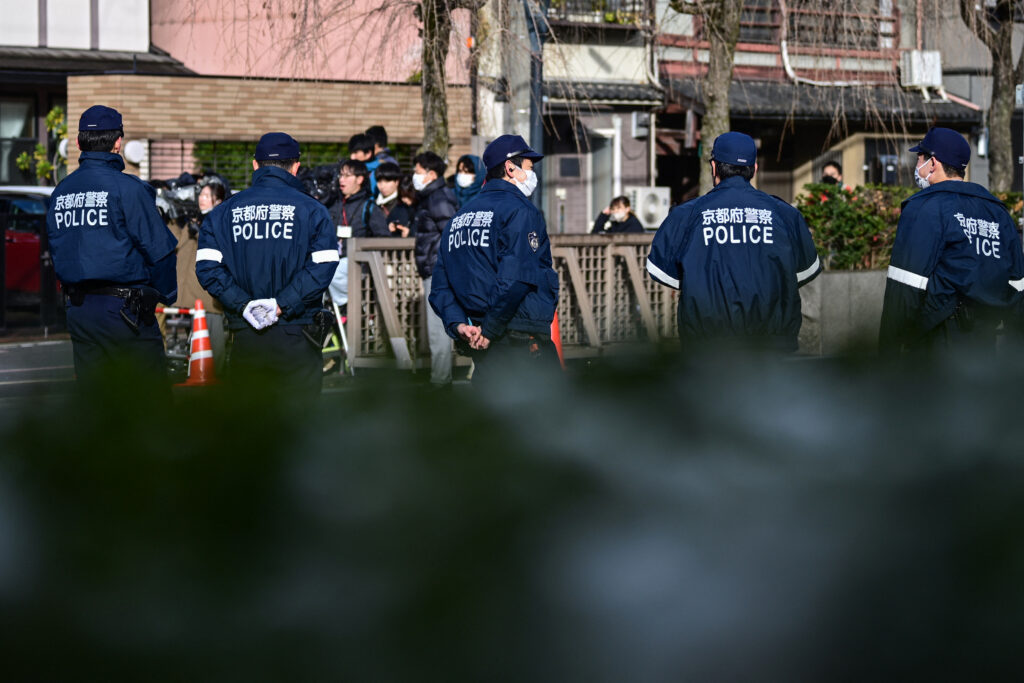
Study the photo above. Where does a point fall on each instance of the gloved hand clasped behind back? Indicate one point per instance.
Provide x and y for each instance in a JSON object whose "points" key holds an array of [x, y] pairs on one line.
{"points": [[261, 313]]}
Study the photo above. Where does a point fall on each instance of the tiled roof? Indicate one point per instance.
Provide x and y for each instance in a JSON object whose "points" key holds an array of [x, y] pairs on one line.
{"points": [[596, 91], [885, 104], [66, 60]]}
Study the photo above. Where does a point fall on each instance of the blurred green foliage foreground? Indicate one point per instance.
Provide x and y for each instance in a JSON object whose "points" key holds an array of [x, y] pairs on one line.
{"points": [[647, 520]]}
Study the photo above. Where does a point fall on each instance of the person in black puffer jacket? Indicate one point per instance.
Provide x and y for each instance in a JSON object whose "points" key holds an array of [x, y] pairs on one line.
{"points": [[433, 214]]}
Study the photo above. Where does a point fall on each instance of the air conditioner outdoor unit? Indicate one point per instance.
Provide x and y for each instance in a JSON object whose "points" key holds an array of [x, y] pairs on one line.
{"points": [[650, 204], [921, 69]]}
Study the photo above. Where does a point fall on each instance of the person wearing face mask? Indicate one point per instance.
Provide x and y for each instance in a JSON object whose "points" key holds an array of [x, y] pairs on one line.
{"points": [[211, 194], [832, 173], [469, 178], [388, 177], [738, 257], [494, 285], [434, 212], [617, 218], [957, 271]]}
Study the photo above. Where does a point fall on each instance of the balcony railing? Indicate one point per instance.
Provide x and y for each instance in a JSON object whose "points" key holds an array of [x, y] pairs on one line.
{"points": [[852, 25], [608, 12]]}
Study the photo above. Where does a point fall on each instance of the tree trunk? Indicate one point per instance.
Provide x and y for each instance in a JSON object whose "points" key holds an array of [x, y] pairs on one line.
{"points": [[437, 28], [722, 28], [994, 26], [1002, 155]]}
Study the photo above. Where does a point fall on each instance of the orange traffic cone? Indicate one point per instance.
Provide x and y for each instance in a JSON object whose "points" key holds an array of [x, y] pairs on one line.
{"points": [[200, 363], [556, 337]]}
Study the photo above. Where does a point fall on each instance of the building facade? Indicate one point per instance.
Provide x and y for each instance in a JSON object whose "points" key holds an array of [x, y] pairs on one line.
{"points": [[852, 81], [190, 75], [43, 43]]}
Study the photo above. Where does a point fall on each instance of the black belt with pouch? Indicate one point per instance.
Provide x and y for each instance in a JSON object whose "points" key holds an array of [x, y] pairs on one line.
{"points": [[139, 306]]}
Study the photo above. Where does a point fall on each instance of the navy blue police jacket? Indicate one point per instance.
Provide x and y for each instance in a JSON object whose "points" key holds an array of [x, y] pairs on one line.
{"points": [[103, 227], [494, 266], [738, 257], [955, 245], [271, 241]]}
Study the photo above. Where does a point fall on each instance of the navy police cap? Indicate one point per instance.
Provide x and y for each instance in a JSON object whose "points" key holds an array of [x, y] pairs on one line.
{"points": [[276, 146], [734, 148], [507, 147], [947, 146], [98, 117]]}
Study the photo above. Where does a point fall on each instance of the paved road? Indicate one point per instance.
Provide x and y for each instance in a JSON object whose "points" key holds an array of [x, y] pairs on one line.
{"points": [[35, 367], [44, 369]]}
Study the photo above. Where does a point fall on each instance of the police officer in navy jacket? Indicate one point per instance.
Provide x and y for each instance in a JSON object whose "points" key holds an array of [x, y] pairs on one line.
{"points": [[737, 256], [957, 269], [113, 254], [268, 256], [493, 285]]}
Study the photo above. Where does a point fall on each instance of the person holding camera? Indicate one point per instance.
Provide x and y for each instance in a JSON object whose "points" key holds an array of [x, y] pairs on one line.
{"points": [[211, 194]]}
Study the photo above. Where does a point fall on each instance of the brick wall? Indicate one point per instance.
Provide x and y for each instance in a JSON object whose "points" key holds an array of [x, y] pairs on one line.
{"points": [[201, 108]]}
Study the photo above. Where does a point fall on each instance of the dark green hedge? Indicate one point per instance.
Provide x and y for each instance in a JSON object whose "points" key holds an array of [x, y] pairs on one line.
{"points": [[233, 160], [854, 229]]}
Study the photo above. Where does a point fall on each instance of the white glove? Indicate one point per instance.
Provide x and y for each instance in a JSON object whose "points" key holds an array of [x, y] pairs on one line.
{"points": [[261, 313]]}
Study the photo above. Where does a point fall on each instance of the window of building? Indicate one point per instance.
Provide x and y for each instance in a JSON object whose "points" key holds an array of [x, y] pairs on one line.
{"points": [[17, 135]]}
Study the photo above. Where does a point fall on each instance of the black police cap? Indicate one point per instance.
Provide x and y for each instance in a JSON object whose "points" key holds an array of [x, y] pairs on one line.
{"points": [[276, 146], [98, 117]]}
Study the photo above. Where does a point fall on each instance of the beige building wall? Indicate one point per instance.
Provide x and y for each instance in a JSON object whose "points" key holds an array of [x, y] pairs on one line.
{"points": [[200, 108], [852, 150]]}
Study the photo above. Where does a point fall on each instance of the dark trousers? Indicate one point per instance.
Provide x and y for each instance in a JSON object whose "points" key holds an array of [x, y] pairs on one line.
{"points": [[280, 353], [514, 355], [102, 341]]}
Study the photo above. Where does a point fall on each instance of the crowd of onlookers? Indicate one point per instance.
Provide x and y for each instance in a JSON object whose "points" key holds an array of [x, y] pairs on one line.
{"points": [[370, 194], [377, 198]]}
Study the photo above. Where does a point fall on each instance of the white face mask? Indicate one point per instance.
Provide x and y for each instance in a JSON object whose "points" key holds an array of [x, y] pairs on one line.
{"points": [[465, 179], [419, 181], [922, 182], [618, 216], [529, 185]]}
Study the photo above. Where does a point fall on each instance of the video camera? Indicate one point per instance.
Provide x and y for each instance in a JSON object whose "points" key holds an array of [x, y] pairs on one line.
{"points": [[177, 200], [321, 183]]}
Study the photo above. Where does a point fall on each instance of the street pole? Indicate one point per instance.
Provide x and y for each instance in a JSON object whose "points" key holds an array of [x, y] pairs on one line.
{"points": [[1020, 159], [537, 28]]}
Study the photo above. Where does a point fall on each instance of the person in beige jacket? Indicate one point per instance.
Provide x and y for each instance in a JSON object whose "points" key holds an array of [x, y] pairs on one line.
{"points": [[189, 289]]}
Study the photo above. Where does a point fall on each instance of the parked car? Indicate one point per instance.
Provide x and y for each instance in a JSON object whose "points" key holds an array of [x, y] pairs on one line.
{"points": [[23, 218]]}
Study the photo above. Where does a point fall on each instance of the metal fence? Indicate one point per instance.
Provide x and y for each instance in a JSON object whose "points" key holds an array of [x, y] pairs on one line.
{"points": [[606, 300]]}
